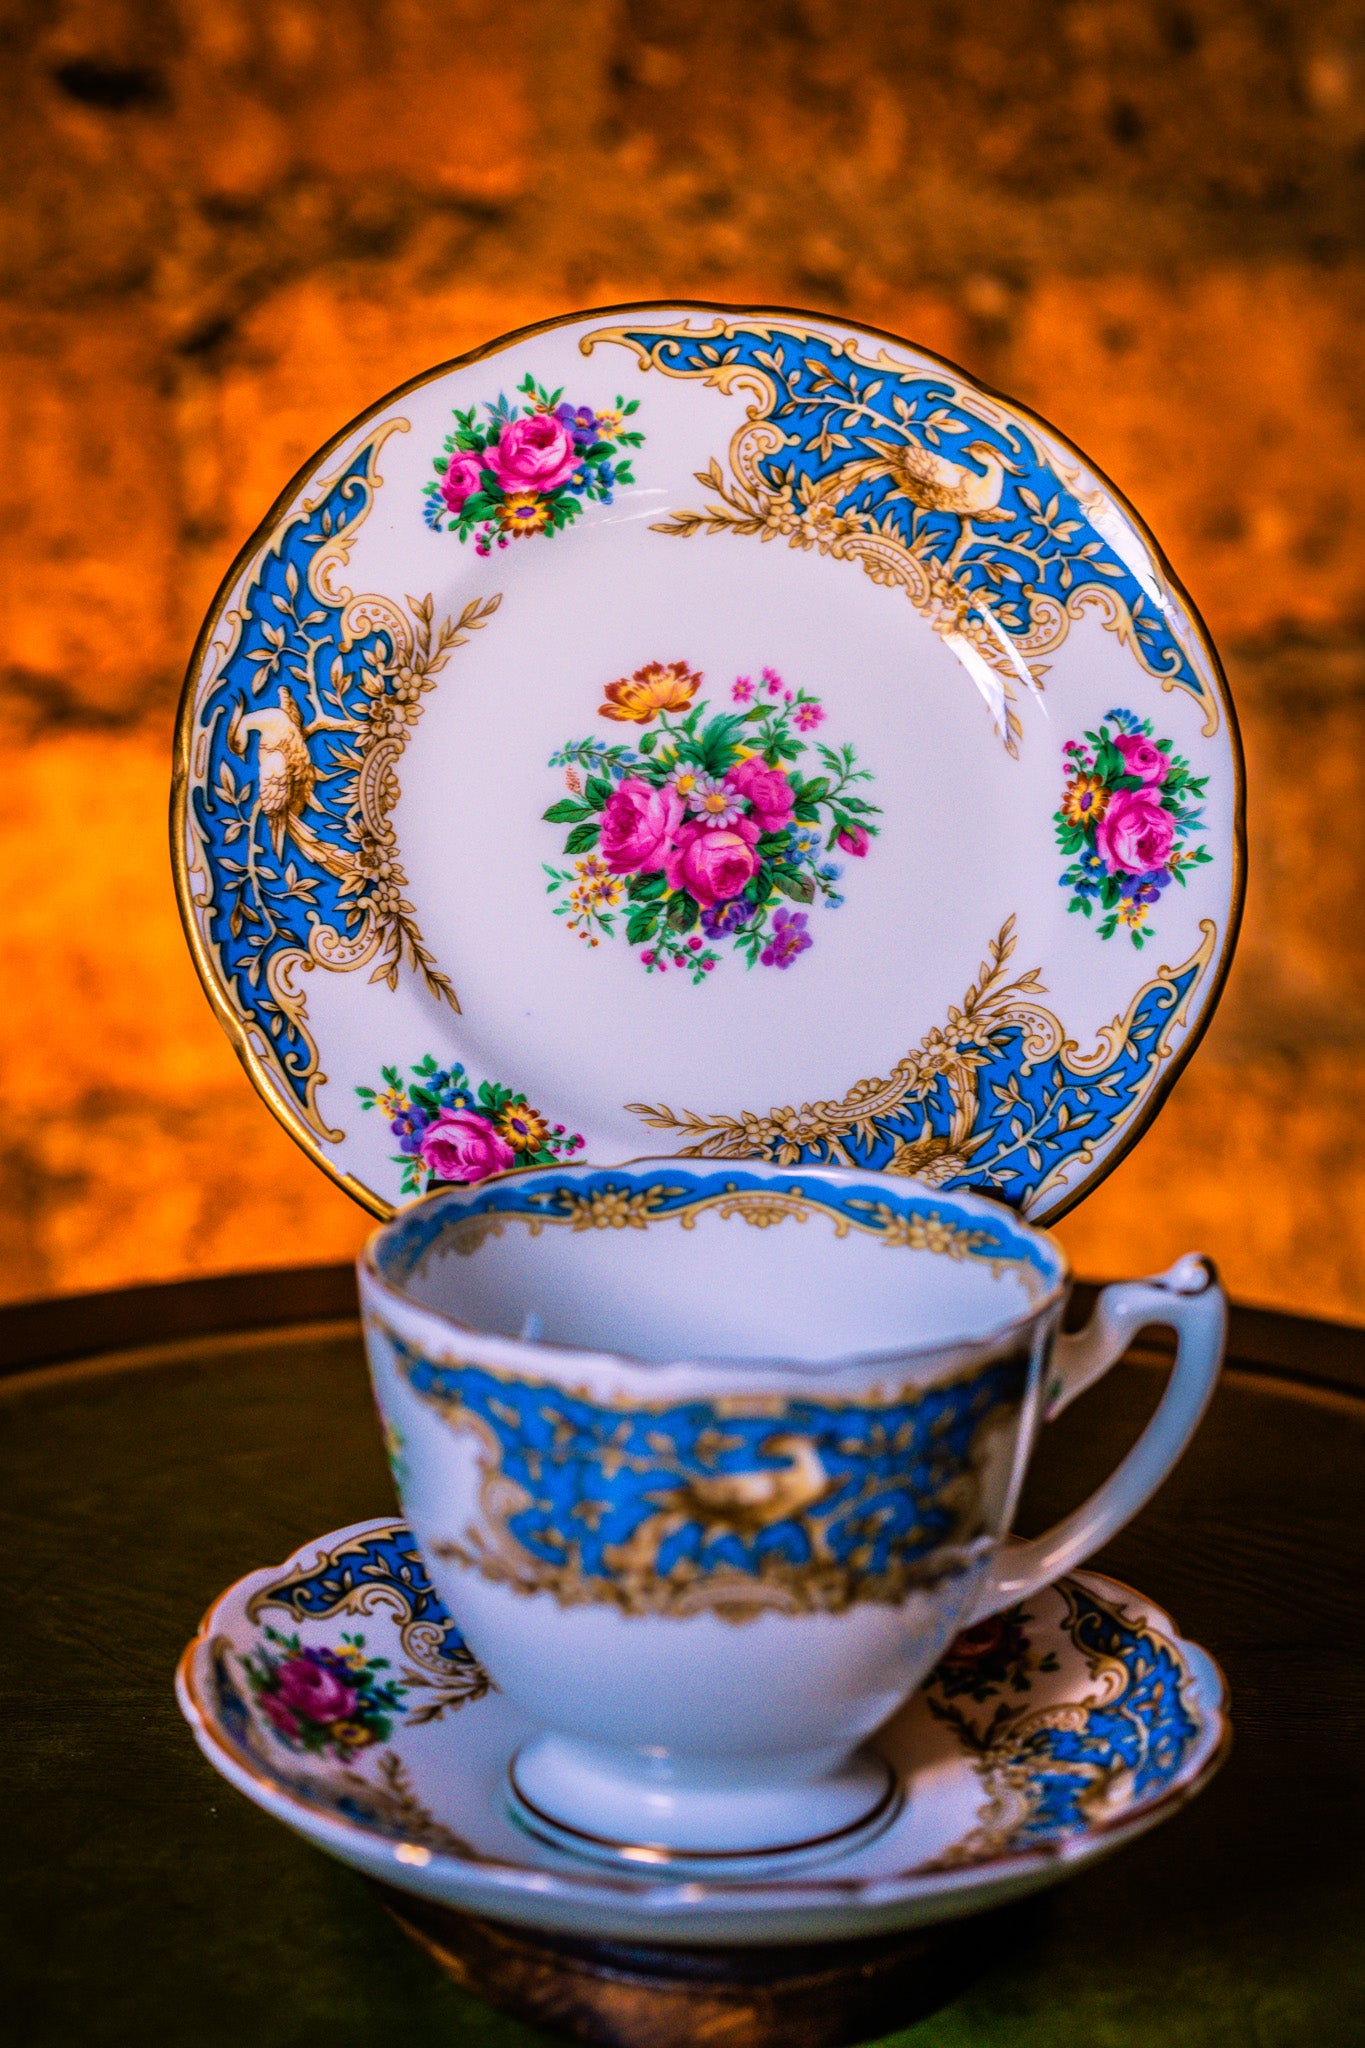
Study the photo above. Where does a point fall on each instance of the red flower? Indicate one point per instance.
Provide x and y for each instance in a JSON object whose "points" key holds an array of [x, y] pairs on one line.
{"points": [[458, 1145], [462, 478], [987, 1639], [768, 791], [855, 840], [638, 821], [535, 454], [712, 863], [311, 1689], [1135, 835], [1141, 758]]}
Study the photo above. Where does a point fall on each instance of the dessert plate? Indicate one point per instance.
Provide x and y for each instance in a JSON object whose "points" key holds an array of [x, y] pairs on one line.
{"points": [[336, 1692], [737, 733]]}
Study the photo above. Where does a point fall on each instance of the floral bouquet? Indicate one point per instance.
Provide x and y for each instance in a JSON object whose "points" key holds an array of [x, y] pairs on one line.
{"points": [[708, 831], [448, 1130], [324, 1702], [1126, 814], [527, 471]]}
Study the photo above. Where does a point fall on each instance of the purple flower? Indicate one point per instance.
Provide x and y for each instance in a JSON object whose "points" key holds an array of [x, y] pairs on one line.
{"points": [[720, 919], [789, 938], [581, 422]]}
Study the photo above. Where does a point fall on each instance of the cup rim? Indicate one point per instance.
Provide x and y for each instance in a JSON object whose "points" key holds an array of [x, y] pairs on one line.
{"points": [[533, 1351]]}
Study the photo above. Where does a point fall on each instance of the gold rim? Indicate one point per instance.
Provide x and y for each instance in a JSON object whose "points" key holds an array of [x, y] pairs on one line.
{"points": [[368, 1268], [883, 1810], [225, 1010]]}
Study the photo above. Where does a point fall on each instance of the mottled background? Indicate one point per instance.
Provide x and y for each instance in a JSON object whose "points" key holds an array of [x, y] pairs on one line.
{"points": [[228, 224]]}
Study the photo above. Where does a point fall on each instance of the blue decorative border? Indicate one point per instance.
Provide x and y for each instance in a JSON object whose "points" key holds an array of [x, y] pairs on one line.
{"points": [[921, 480], [998, 1099], [669, 1506], [296, 744]]}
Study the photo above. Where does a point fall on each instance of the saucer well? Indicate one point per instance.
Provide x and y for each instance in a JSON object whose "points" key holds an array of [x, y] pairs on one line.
{"points": [[336, 1693], [709, 730]]}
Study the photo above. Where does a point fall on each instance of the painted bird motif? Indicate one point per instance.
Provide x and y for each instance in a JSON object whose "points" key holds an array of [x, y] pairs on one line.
{"points": [[745, 1502], [285, 771], [286, 776], [929, 480]]}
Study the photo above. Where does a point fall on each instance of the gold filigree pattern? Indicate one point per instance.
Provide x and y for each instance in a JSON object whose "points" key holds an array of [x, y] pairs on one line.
{"points": [[997, 616], [293, 861], [369, 1575], [1052, 1091], [733, 1505], [952, 1053]]}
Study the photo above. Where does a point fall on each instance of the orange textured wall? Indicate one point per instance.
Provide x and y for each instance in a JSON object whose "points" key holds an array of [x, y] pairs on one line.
{"points": [[227, 224]]}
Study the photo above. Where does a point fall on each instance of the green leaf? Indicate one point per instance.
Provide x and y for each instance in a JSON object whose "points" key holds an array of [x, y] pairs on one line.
{"points": [[642, 924], [644, 888], [682, 912], [582, 839], [567, 811], [799, 887], [597, 791]]}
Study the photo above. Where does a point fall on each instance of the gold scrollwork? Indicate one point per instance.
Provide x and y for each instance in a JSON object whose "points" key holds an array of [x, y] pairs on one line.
{"points": [[449, 1679], [806, 512], [723, 1504], [953, 1053]]}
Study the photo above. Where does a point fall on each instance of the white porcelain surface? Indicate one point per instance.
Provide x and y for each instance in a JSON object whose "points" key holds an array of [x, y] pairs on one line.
{"points": [[725, 1571], [925, 576], [1104, 1723]]}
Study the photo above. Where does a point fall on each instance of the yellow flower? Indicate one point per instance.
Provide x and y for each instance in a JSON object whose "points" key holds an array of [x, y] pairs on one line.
{"points": [[1130, 911], [1086, 800], [393, 1102], [524, 512], [351, 1734], [523, 1130], [598, 888], [656, 687]]}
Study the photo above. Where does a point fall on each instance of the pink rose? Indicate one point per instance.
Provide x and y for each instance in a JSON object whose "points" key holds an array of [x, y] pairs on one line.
{"points": [[283, 1718], [457, 1145], [534, 454], [1141, 758], [638, 821], [855, 840], [768, 790], [313, 1690], [712, 862], [462, 478], [1135, 835]]}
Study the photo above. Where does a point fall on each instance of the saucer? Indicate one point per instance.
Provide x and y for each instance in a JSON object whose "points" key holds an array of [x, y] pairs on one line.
{"points": [[715, 731], [335, 1691]]}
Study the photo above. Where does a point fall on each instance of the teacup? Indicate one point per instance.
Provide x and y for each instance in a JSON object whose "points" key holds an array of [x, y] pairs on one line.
{"points": [[711, 1461]]}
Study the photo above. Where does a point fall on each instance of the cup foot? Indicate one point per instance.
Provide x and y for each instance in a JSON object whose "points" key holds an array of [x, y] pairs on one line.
{"points": [[672, 1822]]}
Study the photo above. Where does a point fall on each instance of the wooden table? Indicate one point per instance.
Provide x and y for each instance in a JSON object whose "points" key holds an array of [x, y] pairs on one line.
{"points": [[157, 1444]]}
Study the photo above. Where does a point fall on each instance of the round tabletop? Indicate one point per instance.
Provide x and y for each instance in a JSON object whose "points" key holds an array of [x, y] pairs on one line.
{"points": [[159, 1444]]}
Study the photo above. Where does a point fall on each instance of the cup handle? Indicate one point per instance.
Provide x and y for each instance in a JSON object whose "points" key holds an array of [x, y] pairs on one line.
{"points": [[1190, 1301]]}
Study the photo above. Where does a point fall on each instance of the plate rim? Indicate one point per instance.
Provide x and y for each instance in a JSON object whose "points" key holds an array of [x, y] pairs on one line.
{"points": [[1172, 1067], [651, 1896]]}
